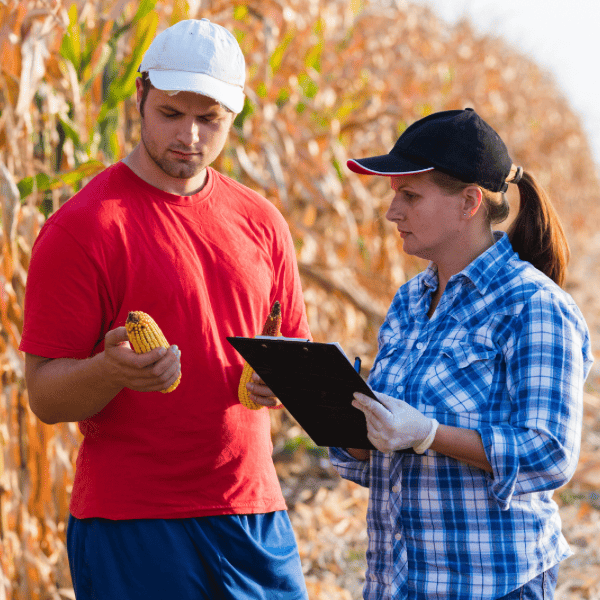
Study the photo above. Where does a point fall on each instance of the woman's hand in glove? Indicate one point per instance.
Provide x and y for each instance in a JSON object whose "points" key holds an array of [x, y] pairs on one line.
{"points": [[394, 424]]}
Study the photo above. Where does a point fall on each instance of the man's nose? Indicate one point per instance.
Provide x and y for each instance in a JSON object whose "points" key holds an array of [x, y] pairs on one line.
{"points": [[189, 134]]}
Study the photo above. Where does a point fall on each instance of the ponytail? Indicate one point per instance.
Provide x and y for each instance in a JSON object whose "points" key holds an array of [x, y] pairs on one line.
{"points": [[536, 234]]}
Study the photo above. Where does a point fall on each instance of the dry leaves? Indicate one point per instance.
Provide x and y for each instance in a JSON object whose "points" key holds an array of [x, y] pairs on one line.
{"points": [[327, 80]]}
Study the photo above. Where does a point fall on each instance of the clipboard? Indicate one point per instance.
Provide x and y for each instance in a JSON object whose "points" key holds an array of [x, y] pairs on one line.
{"points": [[315, 382]]}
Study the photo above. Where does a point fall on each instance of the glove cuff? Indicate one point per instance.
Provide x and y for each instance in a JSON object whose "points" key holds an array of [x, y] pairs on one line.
{"points": [[424, 445]]}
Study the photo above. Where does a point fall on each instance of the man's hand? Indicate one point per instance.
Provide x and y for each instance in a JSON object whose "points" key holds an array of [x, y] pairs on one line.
{"points": [[260, 393], [149, 372], [394, 424]]}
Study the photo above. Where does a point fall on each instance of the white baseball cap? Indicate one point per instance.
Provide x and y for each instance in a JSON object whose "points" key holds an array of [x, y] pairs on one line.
{"points": [[198, 56]]}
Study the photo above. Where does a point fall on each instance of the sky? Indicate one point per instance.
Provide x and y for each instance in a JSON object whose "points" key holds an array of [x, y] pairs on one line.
{"points": [[561, 36]]}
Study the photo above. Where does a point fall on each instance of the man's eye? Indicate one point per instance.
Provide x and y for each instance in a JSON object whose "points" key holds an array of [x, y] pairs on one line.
{"points": [[170, 115]]}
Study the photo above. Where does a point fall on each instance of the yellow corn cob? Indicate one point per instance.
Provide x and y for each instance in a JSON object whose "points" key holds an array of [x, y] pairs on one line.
{"points": [[145, 335], [271, 327]]}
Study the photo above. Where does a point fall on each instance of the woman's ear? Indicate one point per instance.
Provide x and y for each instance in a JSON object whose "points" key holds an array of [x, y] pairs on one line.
{"points": [[472, 197]]}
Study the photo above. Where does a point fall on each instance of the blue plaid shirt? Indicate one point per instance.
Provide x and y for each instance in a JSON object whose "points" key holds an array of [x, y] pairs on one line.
{"points": [[506, 353]]}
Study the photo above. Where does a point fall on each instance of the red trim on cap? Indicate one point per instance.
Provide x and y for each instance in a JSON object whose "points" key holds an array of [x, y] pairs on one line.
{"points": [[358, 168]]}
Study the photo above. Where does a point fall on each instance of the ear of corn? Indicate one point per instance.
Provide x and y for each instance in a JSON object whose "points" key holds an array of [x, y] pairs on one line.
{"points": [[145, 335], [271, 327]]}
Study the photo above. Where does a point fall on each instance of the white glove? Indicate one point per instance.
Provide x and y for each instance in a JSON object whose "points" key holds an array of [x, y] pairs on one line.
{"points": [[394, 424]]}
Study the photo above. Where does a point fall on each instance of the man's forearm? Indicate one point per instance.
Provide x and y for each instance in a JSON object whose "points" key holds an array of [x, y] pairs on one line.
{"points": [[68, 389]]}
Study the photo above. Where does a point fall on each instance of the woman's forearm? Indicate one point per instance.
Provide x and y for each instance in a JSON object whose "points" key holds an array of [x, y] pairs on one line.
{"points": [[359, 453], [462, 444], [458, 443]]}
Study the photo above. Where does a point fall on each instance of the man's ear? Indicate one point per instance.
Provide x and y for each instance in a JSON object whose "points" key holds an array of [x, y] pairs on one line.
{"points": [[472, 197], [139, 89]]}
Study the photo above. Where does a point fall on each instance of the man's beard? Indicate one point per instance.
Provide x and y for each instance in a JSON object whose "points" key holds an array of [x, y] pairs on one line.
{"points": [[172, 167]]}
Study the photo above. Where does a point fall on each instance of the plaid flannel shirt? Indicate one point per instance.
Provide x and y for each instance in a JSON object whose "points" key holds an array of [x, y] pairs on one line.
{"points": [[506, 354]]}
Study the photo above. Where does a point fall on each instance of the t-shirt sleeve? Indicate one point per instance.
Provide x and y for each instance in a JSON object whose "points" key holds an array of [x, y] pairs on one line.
{"points": [[66, 302]]}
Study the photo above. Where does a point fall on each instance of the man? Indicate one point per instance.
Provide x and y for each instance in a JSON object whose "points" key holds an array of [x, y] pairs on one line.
{"points": [[175, 495]]}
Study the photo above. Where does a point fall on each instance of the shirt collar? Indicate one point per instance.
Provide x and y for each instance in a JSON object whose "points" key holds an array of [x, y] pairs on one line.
{"points": [[482, 271]]}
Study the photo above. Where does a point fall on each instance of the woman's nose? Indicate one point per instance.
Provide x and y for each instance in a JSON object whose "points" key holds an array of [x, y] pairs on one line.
{"points": [[394, 212]]}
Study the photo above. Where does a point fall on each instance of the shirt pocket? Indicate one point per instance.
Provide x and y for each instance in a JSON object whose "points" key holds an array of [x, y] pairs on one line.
{"points": [[461, 379]]}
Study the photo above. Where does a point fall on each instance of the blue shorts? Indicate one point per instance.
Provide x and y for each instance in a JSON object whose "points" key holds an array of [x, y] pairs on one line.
{"points": [[225, 557]]}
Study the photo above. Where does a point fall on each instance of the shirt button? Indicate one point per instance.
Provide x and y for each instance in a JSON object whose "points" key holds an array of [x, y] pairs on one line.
{"points": [[400, 388], [398, 536], [420, 346], [395, 489]]}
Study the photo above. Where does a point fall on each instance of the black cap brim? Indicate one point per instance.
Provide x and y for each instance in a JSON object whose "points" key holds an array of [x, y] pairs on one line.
{"points": [[390, 165]]}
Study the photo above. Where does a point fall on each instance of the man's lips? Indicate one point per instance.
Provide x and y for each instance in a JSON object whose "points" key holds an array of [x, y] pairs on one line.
{"points": [[184, 155]]}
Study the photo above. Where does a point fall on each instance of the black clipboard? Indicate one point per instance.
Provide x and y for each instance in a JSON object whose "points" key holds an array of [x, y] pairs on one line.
{"points": [[315, 382]]}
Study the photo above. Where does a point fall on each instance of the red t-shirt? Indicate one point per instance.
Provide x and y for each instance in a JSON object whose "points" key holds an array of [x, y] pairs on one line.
{"points": [[204, 267]]}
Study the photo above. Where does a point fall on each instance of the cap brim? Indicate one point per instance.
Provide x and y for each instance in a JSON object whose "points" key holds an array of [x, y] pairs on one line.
{"points": [[389, 165], [231, 96]]}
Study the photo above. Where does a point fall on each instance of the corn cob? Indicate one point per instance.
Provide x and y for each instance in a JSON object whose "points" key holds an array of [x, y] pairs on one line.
{"points": [[145, 335], [271, 327]]}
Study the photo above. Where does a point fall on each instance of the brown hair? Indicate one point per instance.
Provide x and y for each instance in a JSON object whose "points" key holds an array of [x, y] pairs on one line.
{"points": [[146, 87], [536, 234]]}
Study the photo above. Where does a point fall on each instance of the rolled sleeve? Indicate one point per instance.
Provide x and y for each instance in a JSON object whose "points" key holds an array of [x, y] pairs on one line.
{"points": [[357, 471], [548, 359]]}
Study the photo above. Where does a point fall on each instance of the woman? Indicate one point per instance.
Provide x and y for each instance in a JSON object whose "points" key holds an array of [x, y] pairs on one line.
{"points": [[479, 373]]}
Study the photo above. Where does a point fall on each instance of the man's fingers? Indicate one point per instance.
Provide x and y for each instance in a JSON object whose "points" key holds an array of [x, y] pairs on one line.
{"points": [[259, 389], [150, 371], [149, 358], [115, 337], [261, 394], [156, 374]]}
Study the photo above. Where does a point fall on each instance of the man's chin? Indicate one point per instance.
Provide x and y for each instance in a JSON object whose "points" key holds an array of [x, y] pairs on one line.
{"points": [[180, 171]]}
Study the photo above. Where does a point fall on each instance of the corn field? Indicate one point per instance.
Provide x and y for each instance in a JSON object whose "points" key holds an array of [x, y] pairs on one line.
{"points": [[326, 80]]}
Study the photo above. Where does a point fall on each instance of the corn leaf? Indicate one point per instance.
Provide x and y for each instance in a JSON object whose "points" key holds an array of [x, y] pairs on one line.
{"points": [[43, 183], [123, 86], [71, 43], [276, 58]]}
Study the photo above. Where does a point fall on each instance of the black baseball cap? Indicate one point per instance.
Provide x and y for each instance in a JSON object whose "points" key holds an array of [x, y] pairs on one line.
{"points": [[457, 142]]}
